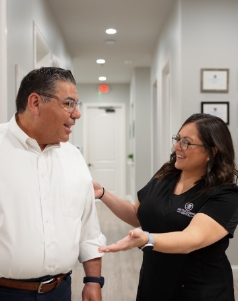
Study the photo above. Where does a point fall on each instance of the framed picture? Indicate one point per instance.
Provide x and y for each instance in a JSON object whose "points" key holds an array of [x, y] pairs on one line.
{"points": [[214, 80], [219, 109]]}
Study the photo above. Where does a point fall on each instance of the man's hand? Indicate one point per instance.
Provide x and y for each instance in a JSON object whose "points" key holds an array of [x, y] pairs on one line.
{"points": [[92, 292]]}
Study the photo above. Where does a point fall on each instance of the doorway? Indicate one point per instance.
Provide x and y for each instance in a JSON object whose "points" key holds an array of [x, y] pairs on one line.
{"points": [[104, 145]]}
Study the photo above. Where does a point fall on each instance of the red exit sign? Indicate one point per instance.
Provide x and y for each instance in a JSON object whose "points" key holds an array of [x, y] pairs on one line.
{"points": [[103, 88]]}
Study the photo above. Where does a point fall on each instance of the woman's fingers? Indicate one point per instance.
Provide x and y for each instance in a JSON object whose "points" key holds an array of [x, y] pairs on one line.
{"points": [[111, 248], [97, 189], [135, 238]]}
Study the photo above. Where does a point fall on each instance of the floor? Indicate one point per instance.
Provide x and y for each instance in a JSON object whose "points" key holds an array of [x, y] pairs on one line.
{"points": [[121, 269]]}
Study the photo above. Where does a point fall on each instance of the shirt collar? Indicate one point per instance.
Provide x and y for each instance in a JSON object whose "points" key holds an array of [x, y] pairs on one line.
{"points": [[24, 139]]}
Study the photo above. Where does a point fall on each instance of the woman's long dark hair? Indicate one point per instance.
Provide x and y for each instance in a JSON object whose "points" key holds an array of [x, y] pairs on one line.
{"points": [[221, 168]]}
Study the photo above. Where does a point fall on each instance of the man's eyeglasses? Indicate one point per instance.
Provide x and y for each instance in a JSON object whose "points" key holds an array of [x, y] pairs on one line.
{"points": [[68, 104], [184, 144]]}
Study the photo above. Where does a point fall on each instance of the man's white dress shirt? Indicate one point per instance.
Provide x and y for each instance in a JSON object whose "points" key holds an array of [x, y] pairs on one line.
{"points": [[48, 217]]}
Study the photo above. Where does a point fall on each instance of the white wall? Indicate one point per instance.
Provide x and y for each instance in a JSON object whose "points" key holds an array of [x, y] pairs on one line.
{"points": [[209, 40], [168, 54], [20, 50], [140, 93]]}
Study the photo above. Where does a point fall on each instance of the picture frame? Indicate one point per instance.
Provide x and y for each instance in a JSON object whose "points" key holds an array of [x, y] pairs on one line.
{"points": [[214, 80], [219, 109]]}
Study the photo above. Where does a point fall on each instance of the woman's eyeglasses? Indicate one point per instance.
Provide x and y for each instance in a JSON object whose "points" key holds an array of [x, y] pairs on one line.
{"points": [[184, 144]]}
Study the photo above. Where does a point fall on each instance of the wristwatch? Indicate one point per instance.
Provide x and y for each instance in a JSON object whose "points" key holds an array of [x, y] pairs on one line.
{"points": [[99, 280], [149, 245]]}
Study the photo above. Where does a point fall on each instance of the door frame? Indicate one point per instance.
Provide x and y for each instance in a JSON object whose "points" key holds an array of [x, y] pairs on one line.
{"points": [[165, 125], [154, 130], [3, 61], [86, 107]]}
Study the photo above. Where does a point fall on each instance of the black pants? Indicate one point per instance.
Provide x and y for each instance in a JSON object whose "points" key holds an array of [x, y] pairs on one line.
{"points": [[61, 293]]}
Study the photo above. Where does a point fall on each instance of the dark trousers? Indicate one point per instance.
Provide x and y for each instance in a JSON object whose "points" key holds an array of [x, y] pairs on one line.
{"points": [[61, 293]]}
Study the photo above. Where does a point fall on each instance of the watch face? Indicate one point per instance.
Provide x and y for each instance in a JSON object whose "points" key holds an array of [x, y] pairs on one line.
{"points": [[147, 247]]}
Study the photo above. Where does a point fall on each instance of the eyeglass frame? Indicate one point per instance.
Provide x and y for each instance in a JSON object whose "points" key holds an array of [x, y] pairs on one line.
{"points": [[77, 104], [178, 140]]}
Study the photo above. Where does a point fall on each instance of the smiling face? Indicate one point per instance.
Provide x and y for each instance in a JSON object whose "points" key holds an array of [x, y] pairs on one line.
{"points": [[54, 122], [194, 159]]}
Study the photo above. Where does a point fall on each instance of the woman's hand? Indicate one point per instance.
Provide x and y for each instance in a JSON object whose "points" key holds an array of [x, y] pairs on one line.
{"points": [[135, 238], [97, 189]]}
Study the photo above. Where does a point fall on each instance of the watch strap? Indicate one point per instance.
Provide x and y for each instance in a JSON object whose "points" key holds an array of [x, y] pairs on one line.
{"points": [[99, 280], [150, 244], [150, 238]]}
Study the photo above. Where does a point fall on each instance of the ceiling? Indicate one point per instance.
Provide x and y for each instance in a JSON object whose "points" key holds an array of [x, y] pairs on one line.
{"points": [[83, 24]]}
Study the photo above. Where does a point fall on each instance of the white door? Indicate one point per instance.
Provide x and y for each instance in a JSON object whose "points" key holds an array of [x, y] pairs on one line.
{"points": [[104, 145]]}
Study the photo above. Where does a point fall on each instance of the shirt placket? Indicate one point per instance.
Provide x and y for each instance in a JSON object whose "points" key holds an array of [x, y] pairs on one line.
{"points": [[47, 214]]}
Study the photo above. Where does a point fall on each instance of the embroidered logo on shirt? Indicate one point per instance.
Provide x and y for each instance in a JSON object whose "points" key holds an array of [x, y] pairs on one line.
{"points": [[187, 211], [188, 206]]}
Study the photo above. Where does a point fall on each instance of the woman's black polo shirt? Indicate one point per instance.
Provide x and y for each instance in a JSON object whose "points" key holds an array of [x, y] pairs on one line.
{"points": [[161, 211]]}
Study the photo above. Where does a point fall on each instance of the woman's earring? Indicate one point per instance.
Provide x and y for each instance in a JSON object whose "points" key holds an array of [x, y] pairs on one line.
{"points": [[208, 159]]}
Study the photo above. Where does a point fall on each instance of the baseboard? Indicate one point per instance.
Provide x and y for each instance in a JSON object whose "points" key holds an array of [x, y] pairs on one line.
{"points": [[235, 271]]}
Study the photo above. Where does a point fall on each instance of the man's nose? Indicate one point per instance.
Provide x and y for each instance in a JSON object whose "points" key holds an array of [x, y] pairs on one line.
{"points": [[76, 114]]}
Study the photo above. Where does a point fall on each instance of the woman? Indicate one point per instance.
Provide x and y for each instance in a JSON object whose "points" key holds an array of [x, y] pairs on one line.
{"points": [[190, 210]]}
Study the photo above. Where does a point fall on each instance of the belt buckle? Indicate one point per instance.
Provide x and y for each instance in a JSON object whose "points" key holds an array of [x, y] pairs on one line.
{"points": [[42, 283]]}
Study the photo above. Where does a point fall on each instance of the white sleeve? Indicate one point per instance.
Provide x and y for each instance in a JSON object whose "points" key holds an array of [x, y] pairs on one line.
{"points": [[91, 236]]}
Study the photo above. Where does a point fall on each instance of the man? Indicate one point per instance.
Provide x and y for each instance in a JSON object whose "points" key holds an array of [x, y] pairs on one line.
{"points": [[47, 213]]}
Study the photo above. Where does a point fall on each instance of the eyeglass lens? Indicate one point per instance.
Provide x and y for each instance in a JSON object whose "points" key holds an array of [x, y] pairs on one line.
{"points": [[183, 143], [71, 105]]}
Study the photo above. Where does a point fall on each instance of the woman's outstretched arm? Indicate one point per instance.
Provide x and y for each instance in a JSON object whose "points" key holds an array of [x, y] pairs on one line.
{"points": [[201, 232], [124, 210]]}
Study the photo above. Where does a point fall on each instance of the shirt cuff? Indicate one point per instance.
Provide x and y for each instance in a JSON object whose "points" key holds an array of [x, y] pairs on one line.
{"points": [[89, 249]]}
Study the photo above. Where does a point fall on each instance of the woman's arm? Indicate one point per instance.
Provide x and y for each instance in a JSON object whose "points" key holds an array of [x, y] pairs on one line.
{"points": [[201, 232], [126, 211]]}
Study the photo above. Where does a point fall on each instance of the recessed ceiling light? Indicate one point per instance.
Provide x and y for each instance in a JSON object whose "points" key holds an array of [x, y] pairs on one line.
{"points": [[102, 78], [110, 42], [100, 61], [111, 31]]}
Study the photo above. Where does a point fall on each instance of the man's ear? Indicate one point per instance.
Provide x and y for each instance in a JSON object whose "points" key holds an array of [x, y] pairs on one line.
{"points": [[34, 102]]}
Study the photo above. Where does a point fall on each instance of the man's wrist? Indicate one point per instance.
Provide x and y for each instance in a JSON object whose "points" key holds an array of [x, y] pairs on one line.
{"points": [[99, 280]]}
